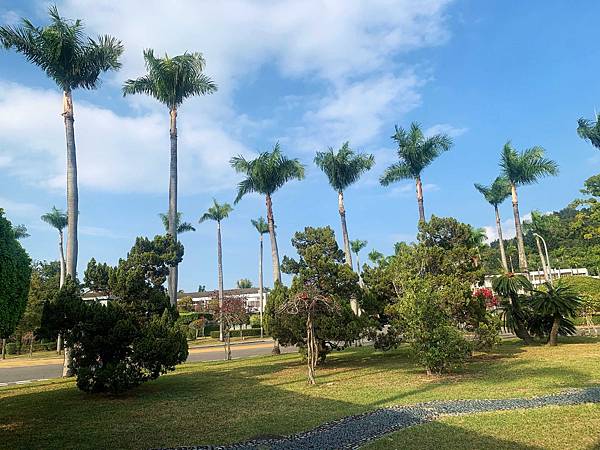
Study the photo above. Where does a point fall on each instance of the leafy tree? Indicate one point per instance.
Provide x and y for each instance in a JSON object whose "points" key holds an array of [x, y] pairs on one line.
{"points": [[232, 312], [343, 168], [97, 277], [132, 339], [15, 275], [72, 60], [58, 219], [590, 130], [20, 231], [415, 153], [319, 271], [182, 227], [495, 194], [171, 80], [263, 228], [185, 304], [244, 283], [218, 212], [265, 175], [588, 290], [560, 302], [586, 222], [522, 168]]}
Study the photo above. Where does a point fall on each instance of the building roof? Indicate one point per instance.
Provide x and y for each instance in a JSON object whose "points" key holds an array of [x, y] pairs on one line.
{"points": [[215, 293]]}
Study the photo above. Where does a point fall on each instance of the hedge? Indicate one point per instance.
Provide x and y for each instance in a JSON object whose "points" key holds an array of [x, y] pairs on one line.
{"points": [[236, 333]]}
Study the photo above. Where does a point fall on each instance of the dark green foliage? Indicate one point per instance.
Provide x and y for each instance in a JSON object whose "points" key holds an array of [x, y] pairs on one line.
{"points": [[97, 277], [320, 266], [135, 337], [249, 332], [15, 274]]}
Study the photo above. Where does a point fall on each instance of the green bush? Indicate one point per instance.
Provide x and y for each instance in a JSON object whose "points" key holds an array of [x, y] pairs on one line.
{"points": [[250, 332], [487, 334], [441, 349], [11, 348]]}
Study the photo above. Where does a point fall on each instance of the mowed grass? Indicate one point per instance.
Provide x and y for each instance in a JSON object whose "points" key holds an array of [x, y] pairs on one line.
{"points": [[224, 402]]}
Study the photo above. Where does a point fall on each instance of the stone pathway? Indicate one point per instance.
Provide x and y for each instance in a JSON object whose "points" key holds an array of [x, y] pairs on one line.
{"points": [[354, 431]]}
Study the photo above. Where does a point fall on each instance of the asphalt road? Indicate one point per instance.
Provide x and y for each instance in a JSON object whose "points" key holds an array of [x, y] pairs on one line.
{"points": [[28, 373]]}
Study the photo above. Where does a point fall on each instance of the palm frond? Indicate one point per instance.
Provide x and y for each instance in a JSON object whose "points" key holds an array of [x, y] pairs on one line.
{"points": [[343, 167], [55, 218], [217, 212], [261, 225]]}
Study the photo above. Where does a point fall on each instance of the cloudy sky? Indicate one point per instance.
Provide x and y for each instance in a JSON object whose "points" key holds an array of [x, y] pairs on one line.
{"points": [[309, 74]]}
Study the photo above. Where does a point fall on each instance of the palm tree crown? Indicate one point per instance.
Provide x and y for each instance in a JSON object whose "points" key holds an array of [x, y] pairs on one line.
{"points": [[171, 80], [267, 173], [495, 193], [62, 50], [182, 227], [55, 218], [217, 212], [261, 225], [357, 245], [415, 152], [344, 167], [590, 130], [527, 166]]}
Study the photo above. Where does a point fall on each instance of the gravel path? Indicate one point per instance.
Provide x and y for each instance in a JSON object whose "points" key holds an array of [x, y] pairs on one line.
{"points": [[353, 431]]}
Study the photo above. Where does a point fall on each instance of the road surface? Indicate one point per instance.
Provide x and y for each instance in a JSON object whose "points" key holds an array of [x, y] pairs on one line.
{"points": [[23, 371]]}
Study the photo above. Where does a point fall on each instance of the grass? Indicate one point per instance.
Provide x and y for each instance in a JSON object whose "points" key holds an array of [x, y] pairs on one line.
{"points": [[224, 402]]}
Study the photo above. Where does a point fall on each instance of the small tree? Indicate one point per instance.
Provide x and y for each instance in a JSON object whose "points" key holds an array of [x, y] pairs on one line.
{"points": [[15, 275], [97, 277], [232, 313], [560, 303], [244, 283], [185, 304]]}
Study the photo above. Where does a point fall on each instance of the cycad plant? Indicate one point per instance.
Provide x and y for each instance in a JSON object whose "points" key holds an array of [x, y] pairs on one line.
{"points": [[262, 227], [590, 130], [171, 80], [512, 288], [72, 60], [58, 219], [522, 168], [265, 175], [495, 194], [559, 302], [343, 168], [218, 212], [415, 152]]}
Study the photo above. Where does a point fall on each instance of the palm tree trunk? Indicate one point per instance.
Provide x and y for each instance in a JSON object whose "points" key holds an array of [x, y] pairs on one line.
{"points": [[61, 255], [72, 204], [500, 239], [275, 256], [342, 211], [172, 215], [260, 283], [419, 186], [272, 235], [554, 331], [519, 232], [220, 270]]}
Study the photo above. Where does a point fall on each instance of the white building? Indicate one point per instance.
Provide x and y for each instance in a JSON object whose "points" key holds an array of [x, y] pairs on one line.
{"points": [[251, 296], [537, 277]]}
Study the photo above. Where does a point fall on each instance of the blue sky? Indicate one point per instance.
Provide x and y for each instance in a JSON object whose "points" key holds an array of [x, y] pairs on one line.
{"points": [[309, 75]]}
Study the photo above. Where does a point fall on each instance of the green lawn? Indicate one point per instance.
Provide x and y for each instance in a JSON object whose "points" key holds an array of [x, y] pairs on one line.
{"points": [[223, 402]]}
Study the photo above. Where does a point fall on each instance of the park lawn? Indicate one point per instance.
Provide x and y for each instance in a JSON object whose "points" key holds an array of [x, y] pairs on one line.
{"points": [[224, 402], [551, 428]]}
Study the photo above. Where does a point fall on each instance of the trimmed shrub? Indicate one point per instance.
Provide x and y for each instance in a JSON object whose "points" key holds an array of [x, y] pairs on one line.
{"points": [[250, 332]]}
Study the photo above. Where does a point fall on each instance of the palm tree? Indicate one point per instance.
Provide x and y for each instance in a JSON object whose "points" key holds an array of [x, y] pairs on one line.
{"points": [[171, 81], [509, 286], [218, 212], [20, 232], [590, 130], [343, 169], [182, 227], [262, 227], [72, 60], [58, 219], [477, 239], [357, 245], [415, 152], [560, 302], [495, 194], [265, 174], [521, 168]]}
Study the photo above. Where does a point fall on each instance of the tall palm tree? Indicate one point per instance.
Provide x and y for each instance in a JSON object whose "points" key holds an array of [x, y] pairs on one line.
{"points": [[357, 245], [495, 194], [58, 219], [265, 175], [218, 212], [262, 227], [343, 168], [590, 130], [171, 80], [182, 227], [522, 168], [72, 60], [415, 152]]}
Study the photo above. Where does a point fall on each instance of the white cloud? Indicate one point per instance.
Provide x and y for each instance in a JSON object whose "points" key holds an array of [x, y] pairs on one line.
{"points": [[409, 189], [99, 232], [508, 228], [445, 128], [19, 209]]}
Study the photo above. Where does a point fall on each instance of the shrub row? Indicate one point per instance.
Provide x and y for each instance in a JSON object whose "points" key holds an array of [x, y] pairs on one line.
{"points": [[236, 333], [13, 349]]}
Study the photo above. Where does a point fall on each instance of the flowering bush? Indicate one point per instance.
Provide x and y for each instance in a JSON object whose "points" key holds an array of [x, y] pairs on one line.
{"points": [[487, 296]]}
